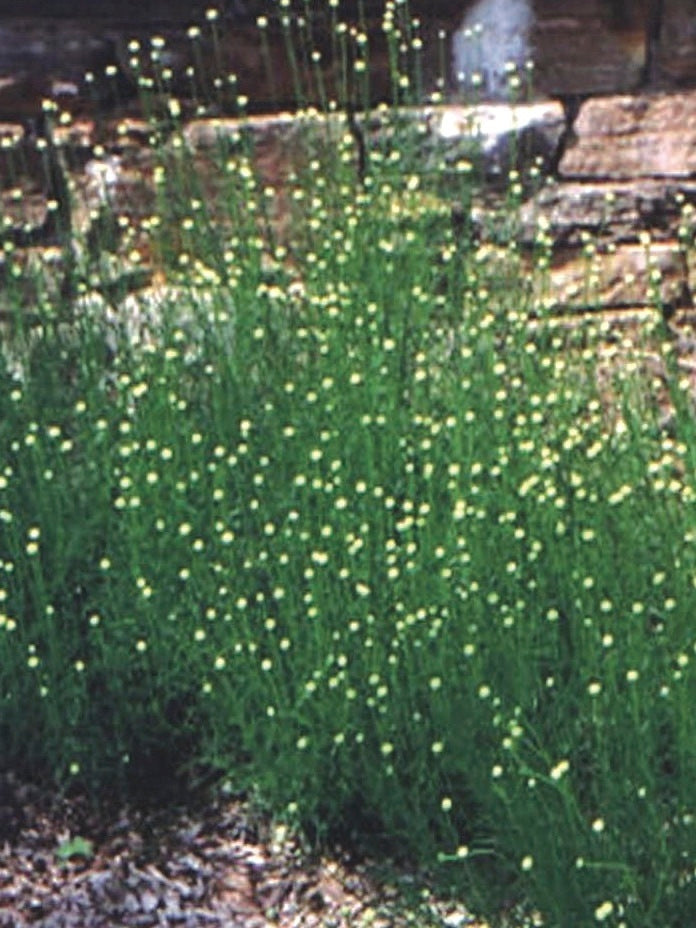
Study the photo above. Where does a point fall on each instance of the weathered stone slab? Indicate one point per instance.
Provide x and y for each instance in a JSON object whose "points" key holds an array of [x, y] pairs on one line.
{"points": [[577, 46], [47, 60], [46, 49], [626, 276], [498, 137], [279, 145], [590, 46], [608, 319], [135, 11], [675, 49], [608, 215], [615, 211], [634, 137], [492, 137]]}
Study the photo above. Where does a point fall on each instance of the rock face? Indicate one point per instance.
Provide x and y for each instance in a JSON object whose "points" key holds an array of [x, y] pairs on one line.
{"points": [[43, 55], [674, 62], [47, 63], [498, 138], [605, 208], [622, 277], [608, 185], [620, 215], [578, 47], [591, 46], [620, 178], [616, 211], [632, 137]]}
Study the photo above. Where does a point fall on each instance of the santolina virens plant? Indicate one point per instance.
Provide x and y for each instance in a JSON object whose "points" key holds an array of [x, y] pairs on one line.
{"points": [[335, 520]]}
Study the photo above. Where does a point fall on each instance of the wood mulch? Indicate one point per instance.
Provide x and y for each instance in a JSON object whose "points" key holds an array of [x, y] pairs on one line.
{"points": [[62, 865]]}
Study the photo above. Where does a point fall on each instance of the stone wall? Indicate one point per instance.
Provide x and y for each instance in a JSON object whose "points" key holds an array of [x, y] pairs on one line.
{"points": [[582, 46], [578, 47], [614, 142]]}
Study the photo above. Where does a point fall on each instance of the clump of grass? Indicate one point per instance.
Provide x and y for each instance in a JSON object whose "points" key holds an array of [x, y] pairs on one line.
{"points": [[347, 531]]}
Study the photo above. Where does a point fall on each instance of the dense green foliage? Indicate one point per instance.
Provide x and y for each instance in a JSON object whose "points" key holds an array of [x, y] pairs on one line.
{"points": [[347, 530]]}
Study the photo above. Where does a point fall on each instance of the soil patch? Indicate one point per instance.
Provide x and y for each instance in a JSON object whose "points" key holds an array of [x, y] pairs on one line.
{"points": [[224, 863]]}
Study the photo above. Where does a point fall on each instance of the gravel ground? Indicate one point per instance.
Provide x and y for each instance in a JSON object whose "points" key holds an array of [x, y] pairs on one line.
{"points": [[62, 865]]}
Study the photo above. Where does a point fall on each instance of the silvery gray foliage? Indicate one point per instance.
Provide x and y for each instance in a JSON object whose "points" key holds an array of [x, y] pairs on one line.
{"points": [[494, 34]]}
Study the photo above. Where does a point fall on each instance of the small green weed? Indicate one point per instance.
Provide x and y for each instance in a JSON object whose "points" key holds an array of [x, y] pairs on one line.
{"points": [[75, 847]]}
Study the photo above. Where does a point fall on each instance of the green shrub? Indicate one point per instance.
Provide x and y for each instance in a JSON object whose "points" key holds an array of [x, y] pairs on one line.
{"points": [[348, 532]]}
